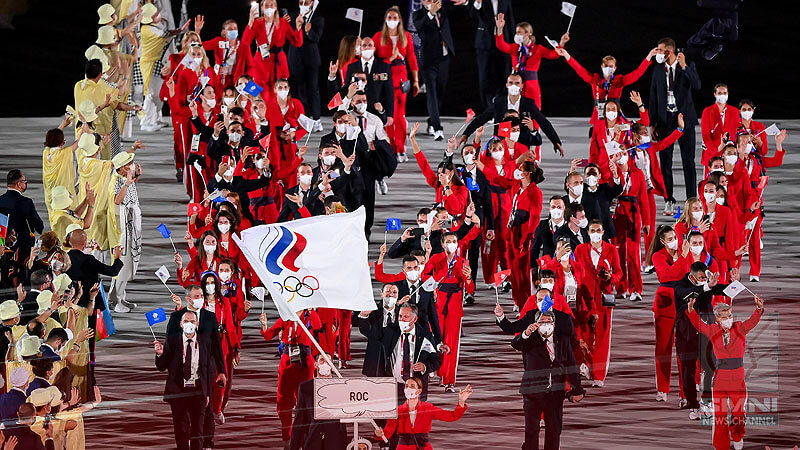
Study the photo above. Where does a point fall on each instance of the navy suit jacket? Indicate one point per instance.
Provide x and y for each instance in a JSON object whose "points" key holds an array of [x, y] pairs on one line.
{"points": [[22, 218], [685, 81]]}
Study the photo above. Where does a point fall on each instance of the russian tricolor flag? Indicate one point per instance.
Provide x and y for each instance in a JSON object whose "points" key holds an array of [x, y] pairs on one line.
{"points": [[3, 228], [105, 323]]}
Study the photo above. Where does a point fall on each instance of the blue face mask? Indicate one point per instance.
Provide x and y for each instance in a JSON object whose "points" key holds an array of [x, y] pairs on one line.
{"points": [[232, 34]]}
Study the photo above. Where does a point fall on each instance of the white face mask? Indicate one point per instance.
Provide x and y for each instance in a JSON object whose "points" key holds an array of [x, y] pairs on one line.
{"points": [[517, 174], [623, 159], [747, 115], [410, 393], [328, 160], [644, 139], [596, 237], [513, 90], [577, 190], [227, 100], [726, 323], [469, 158], [697, 249], [697, 215], [556, 213], [56, 264], [225, 276], [392, 24], [389, 302], [710, 197], [412, 275], [361, 108], [283, 94], [341, 128], [306, 178], [224, 227], [197, 61], [269, 11], [188, 328], [519, 39], [197, 303], [548, 286], [235, 137], [672, 245], [514, 136], [608, 71], [497, 155], [228, 173], [404, 326], [592, 180], [731, 159], [451, 247], [722, 98], [611, 115], [304, 10], [583, 223], [260, 163], [367, 53], [660, 58], [361, 84], [720, 200], [546, 329], [211, 102], [324, 370], [210, 289], [209, 248]]}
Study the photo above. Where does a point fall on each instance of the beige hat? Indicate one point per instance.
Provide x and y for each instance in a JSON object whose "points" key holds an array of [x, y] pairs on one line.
{"points": [[61, 282], [87, 145], [70, 228], [55, 395], [87, 108], [9, 309], [122, 159], [60, 198], [44, 300], [30, 345], [39, 397], [95, 52], [106, 35], [19, 377], [149, 11], [105, 12]]}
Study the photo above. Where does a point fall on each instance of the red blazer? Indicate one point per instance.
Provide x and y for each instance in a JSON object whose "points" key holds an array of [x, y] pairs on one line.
{"points": [[711, 239], [219, 56], [636, 187], [172, 62], [713, 129], [592, 288], [195, 269], [741, 194], [232, 290], [611, 89], [534, 59], [426, 414], [656, 178], [755, 128], [291, 330], [407, 58], [737, 345], [668, 269], [258, 32], [456, 202], [187, 82], [597, 146], [529, 200], [283, 156]]}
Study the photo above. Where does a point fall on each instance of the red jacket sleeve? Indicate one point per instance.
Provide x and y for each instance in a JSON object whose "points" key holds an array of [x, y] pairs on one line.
{"points": [[446, 415], [456, 202], [411, 55], [295, 37], [699, 324], [705, 131], [750, 323], [581, 71], [503, 46], [671, 139], [775, 160], [273, 330]]}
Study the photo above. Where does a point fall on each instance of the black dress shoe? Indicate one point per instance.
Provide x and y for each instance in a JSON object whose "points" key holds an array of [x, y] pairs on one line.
{"points": [[179, 175], [469, 300]]}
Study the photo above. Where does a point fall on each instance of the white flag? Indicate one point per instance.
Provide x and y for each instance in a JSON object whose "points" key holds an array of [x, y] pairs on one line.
{"points": [[429, 285], [306, 122], [568, 9], [163, 274], [772, 130], [751, 224], [314, 262], [354, 14], [734, 289], [188, 61], [215, 195], [552, 43], [203, 81], [259, 292], [612, 148]]}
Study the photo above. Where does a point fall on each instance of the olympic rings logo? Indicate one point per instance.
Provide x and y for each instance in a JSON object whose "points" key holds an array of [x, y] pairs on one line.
{"points": [[303, 288]]}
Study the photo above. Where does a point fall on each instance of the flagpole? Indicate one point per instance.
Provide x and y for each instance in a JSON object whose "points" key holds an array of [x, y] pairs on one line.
{"points": [[173, 244], [359, 26], [165, 285], [154, 333], [496, 296], [308, 138], [385, 233], [570, 21]]}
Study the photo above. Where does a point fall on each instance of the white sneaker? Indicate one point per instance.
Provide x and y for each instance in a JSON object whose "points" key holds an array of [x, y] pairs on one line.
{"points": [[738, 445], [438, 135], [384, 188], [515, 308], [401, 157], [648, 269], [706, 409], [661, 396], [585, 372], [151, 129], [317, 126], [598, 383], [694, 414], [669, 208], [636, 297], [120, 308], [754, 278]]}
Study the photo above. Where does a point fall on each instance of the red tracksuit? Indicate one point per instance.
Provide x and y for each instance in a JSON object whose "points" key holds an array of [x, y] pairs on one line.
{"points": [[223, 50], [405, 62], [714, 123], [449, 307], [426, 414], [290, 375], [602, 134], [327, 336], [181, 136], [755, 167], [729, 377], [590, 292], [229, 337], [383, 277], [272, 36], [344, 319], [632, 210], [604, 90], [457, 201], [498, 250], [526, 61]]}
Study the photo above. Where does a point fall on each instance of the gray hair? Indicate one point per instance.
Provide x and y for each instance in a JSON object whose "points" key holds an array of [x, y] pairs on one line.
{"points": [[548, 313], [411, 306], [720, 308]]}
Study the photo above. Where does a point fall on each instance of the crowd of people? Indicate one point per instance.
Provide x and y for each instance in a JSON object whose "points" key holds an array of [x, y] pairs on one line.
{"points": [[241, 110]]}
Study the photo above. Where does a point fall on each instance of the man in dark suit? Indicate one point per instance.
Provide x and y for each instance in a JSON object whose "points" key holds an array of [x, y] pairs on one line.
{"points": [[307, 432], [575, 227], [27, 438], [190, 367], [671, 94], [21, 212], [40, 281], [16, 395], [563, 326], [603, 195], [374, 76], [410, 350], [207, 325], [407, 242], [419, 297], [308, 195], [549, 363], [493, 65], [371, 324], [543, 243], [304, 61], [523, 105], [87, 269]]}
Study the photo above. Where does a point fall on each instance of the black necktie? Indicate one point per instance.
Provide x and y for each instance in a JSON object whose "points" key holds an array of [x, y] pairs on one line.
{"points": [[406, 357], [389, 320], [361, 123], [671, 78], [187, 361], [366, 68]]}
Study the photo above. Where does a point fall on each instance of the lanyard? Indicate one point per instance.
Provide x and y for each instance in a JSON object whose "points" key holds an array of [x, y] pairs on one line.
{"points": [[269, 29]]}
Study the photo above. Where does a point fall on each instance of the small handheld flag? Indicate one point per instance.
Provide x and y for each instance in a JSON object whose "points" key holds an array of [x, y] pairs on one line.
{"points": [[393, 224], [568, 9], [762, 182], [105, 323], [677, 214], [547, 303], [167, 235], [356, 15], [472, 185], [734, 289], [552, 43], [771, 130], [194, 208], [259, 292], [252, 89], [543, 261], [155, 316], [335, 101], [429, 285], [426, 347], [3, 228], [500, 277], [613, 147], [307, 124], [163, 274], [504, 129]]}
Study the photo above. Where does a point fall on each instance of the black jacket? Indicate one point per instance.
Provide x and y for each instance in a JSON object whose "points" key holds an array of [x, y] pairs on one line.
{"points": [[379, 85], [389, 337], [685, 81], [308, 53], [564, 230], [290, 210], [86, 269], [426, 308], [23, 219], [241, 186], [563, 325], [539, 369], [309, 433], [400, 248], [207, 330], [684, 289], [543, 243], [484, 33], [498, 109], [29, 308], [26, 438], [374, 355], [172, 362], [601, 200], [432, 33], [349, 188]]}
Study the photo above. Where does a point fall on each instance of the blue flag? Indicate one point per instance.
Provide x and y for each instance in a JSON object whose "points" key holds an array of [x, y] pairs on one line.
{"points": [[472, 185], [678, 214], [155, 316], [644, 146], [219, 199], [252, 88], [164, 231], [105, 323], [393, 224], [547, 303]]}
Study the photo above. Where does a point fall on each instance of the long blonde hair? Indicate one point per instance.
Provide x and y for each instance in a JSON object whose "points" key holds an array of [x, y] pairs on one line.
{"points": [[401, 31], [686, 214]]}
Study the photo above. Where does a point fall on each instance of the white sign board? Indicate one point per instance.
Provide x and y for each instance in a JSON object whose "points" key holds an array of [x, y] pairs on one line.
{"points": [[353, 398]]}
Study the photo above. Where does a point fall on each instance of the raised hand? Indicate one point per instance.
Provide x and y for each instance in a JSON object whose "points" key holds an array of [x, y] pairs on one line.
{"points": [[500, 22], [464, 394]]}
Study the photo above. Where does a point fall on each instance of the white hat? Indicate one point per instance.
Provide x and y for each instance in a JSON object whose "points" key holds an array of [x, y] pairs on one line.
{"points": [[60, 198], [70, 228], [55, 395], [105, 12], [122, 159], [19, 377], [44, 300], [30, 345], [149, 11], [9, 309], [95, 52], [39, 397], [106, 35], [87, 109], [87, 144], [61, 282]]}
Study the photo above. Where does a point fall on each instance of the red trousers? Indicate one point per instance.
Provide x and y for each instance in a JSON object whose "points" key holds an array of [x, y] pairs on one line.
{"points": [[520, 274], [629, 245], [498, 255], [601, 354], [665, 341], [650, 221], [451, 332], [754, 248], [397, 132], [222, 394], [289, 378], [728, 384], [182, 140], [345, 323], [327, 337]]}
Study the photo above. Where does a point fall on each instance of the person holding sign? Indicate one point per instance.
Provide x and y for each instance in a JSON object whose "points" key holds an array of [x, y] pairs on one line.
{"points": [[307, 432], [415, 417], [729, 341], [270, 32]]}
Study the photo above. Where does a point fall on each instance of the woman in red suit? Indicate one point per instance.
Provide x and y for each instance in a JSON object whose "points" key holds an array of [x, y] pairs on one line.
{"points": [[615, 127], [717, 124], [754, 127], [393, 44], [694, 218], [231, 293], [671, 264], [415, 417], [497, 162], [526, 205], [282, 113], [450, 191], [223, 310], [722, 218], [206, 259], [225, 47], [526, 56], [270, 32]]}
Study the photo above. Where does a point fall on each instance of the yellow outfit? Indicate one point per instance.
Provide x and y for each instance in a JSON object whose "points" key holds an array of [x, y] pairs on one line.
{"points": [[60, 220], [125, 64], [81, 364], [151, 51], [97, 92], [58, 170], [76, 438], [99, 174]]}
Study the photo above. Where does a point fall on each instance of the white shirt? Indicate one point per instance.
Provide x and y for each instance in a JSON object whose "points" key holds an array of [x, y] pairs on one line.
{"points": [[575, 199], [414, 291], [397, 355], [554, 226], [595, 256], [389, 313], [674, 67], [412, 415], [195, 358], [367, 62], [514, 106]]}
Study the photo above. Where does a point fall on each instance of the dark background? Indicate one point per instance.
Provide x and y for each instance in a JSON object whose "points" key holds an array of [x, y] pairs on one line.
{"points": [[42, 57]]}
